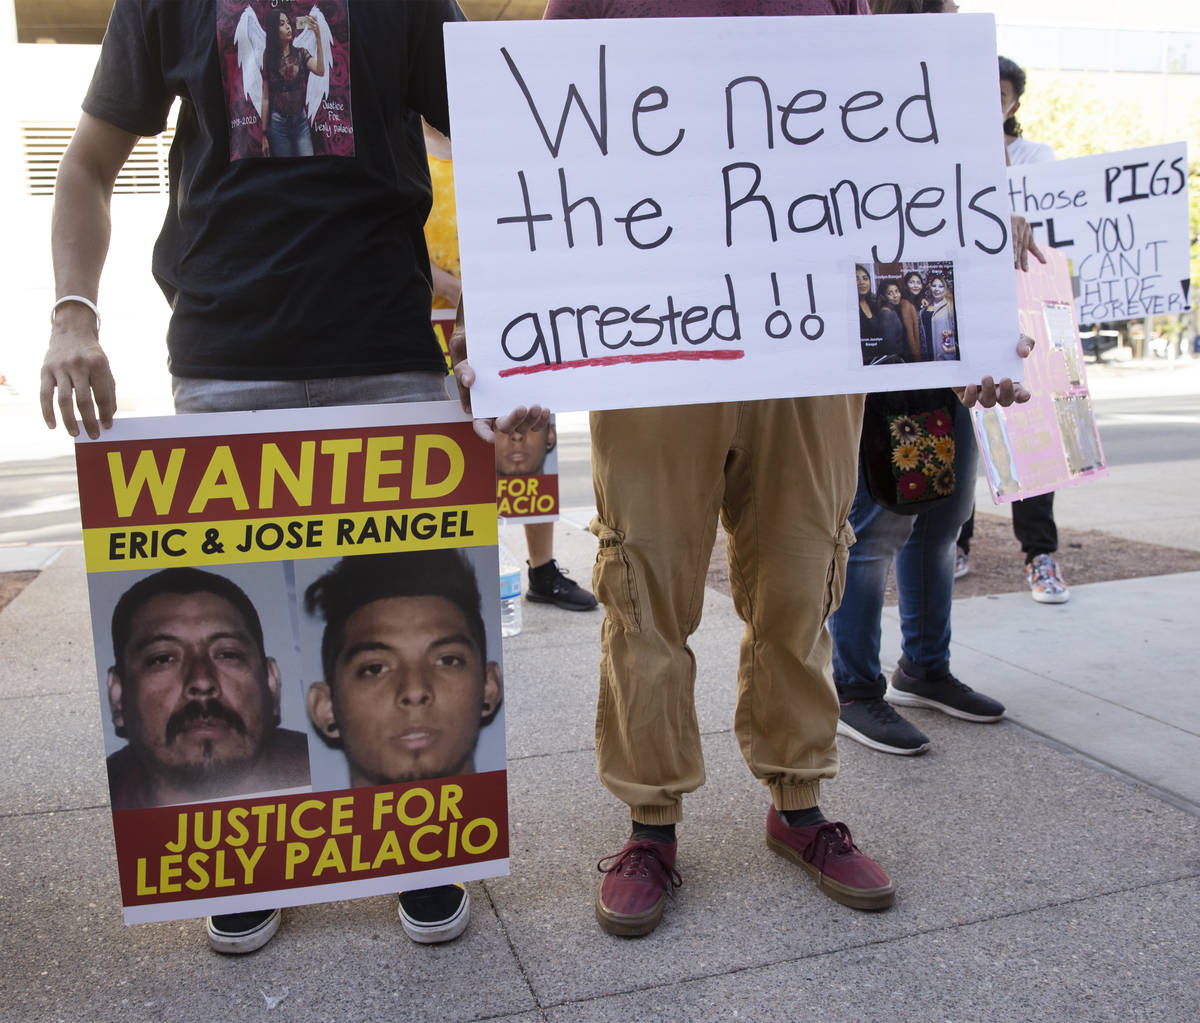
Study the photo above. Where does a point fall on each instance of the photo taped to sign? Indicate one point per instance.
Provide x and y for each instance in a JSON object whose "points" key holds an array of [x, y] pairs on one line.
{"points": [[906, 312]]}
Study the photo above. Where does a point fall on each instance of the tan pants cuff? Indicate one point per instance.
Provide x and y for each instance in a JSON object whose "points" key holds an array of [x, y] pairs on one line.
{"points": [[657, 815], [804, 796]]}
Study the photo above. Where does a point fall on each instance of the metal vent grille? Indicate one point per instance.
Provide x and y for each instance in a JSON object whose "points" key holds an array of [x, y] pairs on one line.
{"points": [[144, 173]]}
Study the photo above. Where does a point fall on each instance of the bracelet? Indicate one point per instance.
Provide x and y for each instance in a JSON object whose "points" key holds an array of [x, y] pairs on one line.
{"points": [[82, 301]]}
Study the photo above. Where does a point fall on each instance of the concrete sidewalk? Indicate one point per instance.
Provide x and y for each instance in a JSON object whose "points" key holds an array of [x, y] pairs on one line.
{"points": [[1047, 866]]}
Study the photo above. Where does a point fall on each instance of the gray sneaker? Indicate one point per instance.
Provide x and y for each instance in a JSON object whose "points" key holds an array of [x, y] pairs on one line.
{"points": [[945, 693], [876, 724]]}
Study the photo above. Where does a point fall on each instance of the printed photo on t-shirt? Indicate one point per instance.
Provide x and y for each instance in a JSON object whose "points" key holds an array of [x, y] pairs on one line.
{"points": [[286, 69]]}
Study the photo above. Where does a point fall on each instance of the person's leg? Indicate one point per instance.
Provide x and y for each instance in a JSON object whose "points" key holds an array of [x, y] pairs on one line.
{"points": [[790, 481], [856, 628], [967, 532], [962, 554], [549, 584], [658, 479], [925, 586], [1035, 528]]}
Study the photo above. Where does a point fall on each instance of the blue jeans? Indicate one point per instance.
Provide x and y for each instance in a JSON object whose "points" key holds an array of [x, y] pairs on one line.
{"points": [[923, 549], [198, 394], [289, 135]]}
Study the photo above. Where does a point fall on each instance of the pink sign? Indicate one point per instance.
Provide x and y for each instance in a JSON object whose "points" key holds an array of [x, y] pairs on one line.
{"points": [[1051, 442]]}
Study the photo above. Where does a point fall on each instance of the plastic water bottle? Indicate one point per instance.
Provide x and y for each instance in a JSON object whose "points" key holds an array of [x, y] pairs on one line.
{"points": [[510, 588]]}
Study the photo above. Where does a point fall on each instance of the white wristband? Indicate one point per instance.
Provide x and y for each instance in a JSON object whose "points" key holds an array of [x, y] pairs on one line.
{"points": [[82, 301]]}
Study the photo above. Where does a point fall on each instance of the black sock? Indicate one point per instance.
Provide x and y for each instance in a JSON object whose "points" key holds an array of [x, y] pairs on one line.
{"points": [[803, 818], [664, 833]]}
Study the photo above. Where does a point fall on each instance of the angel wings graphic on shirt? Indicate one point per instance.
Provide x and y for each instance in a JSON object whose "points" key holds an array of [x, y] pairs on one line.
{"points": [[251, 40]]}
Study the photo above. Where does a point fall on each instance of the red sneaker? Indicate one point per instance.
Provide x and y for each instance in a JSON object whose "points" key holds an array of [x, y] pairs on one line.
{"points": [[827, 852], [638, 879]]}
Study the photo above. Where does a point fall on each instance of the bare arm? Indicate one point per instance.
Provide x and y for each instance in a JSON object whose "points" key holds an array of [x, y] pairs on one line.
{"points": [[75, 365], [317, 64]]}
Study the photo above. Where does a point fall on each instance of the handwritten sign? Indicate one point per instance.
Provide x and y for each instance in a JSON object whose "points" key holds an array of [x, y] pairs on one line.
{"points": [[1122, 220], [1051, 442], [667, 211], [258, 582]]}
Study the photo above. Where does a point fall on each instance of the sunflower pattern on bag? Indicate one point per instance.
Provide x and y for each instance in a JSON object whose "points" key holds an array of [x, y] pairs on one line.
{"points": [[922, 454]]}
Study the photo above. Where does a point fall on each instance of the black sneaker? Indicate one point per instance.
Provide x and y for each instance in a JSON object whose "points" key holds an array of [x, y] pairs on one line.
{"points": [[876, 724], [945, 693], [235, 934], [433, 915], [548, 584]]}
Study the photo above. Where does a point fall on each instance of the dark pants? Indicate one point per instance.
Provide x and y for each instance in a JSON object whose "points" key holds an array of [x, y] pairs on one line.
{"points": [[1033, 526]]}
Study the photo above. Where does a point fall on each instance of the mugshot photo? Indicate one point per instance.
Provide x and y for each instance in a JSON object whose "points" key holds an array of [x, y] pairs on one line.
{"points": [[202, 697], [401, 654], [906, 312]]}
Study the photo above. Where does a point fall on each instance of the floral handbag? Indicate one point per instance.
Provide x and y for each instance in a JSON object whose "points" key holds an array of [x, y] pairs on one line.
{"points": [[908, 448]]}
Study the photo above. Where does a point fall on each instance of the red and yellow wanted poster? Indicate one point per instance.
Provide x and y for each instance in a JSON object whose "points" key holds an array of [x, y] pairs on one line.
{"points": [[296, 622]]}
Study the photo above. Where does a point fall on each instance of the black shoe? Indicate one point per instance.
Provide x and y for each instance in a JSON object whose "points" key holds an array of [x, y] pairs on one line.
{"points": [[945, 693], [548, 584], [874, 723], [238, 933], [433, 915]]}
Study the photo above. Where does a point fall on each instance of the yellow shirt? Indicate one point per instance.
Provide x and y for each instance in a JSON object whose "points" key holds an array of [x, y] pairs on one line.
{"points": [[441, 229]]}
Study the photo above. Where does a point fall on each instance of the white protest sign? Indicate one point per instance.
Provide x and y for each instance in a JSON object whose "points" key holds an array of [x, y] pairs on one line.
{"points": [[667, 211], [1122, 220]]}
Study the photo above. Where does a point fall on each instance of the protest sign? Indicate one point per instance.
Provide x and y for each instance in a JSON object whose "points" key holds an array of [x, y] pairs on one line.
{"points": [[667, 211], [275, 597], [1051, 441], [527, 475], [1122, 219], [526, 463]]}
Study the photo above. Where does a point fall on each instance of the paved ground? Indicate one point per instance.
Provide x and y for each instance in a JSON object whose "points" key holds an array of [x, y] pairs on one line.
{"points": [[1048, 866]]}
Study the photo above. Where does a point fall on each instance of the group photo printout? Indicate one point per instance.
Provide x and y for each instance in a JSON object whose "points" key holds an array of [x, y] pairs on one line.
{"points": [[1122, 220], [677, 210], [296, 620]]}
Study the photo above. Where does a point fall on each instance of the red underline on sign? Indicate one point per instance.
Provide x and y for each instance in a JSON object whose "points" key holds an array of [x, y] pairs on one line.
{"points": [[625, 360]]}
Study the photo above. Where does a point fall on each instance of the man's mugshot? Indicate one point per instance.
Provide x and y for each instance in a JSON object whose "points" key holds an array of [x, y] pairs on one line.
{"points": [[195, 694], [407, 683]]}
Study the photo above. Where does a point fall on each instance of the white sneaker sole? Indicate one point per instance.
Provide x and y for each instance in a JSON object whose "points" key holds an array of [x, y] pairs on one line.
{"points": [[850, 733], [438, 931], [911, 700], [247, 941]]}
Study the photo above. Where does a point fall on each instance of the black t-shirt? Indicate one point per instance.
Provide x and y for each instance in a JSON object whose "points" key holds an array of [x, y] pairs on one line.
{"points": [[284, 268]]}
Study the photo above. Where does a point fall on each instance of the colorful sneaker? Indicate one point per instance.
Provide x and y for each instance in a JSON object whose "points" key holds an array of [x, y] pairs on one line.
{"points": [[875, 723], [433, 915], [843, 872], [945, 693], [1045, 581], [634, 891], [235, 934], [961, 565], [549, 584]]}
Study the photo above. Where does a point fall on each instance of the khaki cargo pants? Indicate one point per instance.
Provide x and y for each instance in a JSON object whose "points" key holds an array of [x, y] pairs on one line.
{"points": [[781, 475]]}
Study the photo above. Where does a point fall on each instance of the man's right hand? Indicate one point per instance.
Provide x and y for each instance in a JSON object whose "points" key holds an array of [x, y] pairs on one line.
{"points": [[77, 368]]}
